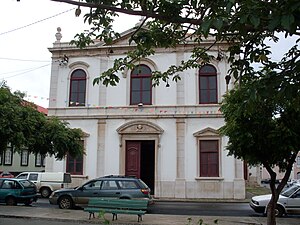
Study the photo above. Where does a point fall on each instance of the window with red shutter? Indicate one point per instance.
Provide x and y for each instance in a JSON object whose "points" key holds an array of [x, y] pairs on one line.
{"points": [[209, 158], [141, 85], [77, 88], [208, 85]]}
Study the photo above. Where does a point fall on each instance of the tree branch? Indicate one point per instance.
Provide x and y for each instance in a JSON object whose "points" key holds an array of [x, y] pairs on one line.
{"points": [[148, 14]]}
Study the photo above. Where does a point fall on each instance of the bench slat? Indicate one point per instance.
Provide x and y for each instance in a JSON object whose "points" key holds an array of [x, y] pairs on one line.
{"points": [[116, 211], [117, 206]]}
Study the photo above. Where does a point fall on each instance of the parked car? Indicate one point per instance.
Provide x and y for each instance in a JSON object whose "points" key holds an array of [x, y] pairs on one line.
{"points": [[14, 191], [47, 182], [292, 182], [288, 202], [112, 186], [267, 181], [6, 174]]}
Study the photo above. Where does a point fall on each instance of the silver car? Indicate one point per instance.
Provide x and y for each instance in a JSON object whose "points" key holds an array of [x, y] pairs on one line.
{"points": [[109, 186], [288, 202]]}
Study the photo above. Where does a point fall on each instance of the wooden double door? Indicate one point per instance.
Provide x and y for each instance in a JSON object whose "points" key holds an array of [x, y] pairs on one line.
{"points": [[140, 161]]}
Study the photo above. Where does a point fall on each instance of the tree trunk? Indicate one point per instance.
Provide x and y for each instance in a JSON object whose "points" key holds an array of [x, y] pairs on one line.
{"points": [[271, 218]]}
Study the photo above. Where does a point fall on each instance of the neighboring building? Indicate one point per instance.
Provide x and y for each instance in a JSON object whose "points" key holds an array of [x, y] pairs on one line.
{"points": [[166, 135], [16, 163], [260, 173]]}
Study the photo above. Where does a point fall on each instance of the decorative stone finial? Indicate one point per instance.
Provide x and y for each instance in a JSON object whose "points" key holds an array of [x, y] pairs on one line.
{"points": [[58, 35]]}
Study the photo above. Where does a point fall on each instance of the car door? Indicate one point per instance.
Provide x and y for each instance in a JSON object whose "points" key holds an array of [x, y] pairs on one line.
{"points": [[2, 195], [33, 177], [9, 187], [293, 202], [110, 188], [88, 190]]}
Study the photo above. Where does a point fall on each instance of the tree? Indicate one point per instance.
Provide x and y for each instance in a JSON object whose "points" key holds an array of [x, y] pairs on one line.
{"points": [[22, 126], [263, 125], [245, 24]]}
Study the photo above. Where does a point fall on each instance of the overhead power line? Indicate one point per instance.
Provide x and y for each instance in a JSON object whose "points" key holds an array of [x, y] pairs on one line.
{"points": [[19, 28], [26, 71], [25, 60]]}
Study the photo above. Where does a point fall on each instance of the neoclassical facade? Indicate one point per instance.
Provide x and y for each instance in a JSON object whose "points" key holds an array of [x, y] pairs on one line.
{"points": [[167, 135]]}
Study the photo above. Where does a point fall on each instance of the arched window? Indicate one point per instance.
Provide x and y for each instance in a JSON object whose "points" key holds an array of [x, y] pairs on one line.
{"points": [[77, 88], [141, 85], [208, 85]]}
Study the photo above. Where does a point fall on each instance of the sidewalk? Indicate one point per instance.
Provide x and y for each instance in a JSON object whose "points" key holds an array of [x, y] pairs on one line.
{"points": [[148, 219]]}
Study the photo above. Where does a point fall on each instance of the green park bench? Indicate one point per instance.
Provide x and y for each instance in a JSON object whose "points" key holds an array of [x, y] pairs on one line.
{"points": [[117, 206]]}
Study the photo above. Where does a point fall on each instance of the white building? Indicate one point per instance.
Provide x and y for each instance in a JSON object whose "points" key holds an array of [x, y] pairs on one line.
{"points": [[167, 136]]}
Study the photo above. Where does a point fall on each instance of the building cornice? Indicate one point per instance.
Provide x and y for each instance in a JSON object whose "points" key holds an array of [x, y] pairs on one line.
{"points": [[130, 112]]}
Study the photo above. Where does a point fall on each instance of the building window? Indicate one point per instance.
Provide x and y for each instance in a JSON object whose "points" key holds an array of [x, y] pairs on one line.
{"points": [[24, 157], [298, 161], [75, 165], [141, 85], [209, 158], [77, 88], [8, 156], [208, 85], [39, 160]]}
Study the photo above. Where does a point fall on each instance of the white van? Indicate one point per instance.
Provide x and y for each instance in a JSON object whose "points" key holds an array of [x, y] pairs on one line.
{"points": [[47, 182]]}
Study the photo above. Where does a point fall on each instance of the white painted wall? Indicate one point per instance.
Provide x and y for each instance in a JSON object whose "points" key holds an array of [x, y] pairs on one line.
{"points": [[166, 98]]}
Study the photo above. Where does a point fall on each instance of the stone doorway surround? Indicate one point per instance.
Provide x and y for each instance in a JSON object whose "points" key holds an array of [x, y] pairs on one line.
{"points": [[141, 130]]}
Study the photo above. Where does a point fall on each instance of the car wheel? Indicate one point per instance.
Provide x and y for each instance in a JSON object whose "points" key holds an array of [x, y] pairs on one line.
{"points": [[279, 211], [28, 202], [45, 192], [65, 202], [11, 201]]}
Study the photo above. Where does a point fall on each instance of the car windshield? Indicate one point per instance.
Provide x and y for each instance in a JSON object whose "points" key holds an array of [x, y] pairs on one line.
{"points": [[27, 183], [288, 192]]}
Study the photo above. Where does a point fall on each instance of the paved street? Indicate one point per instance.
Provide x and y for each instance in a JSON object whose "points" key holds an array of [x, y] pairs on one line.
{"points": [[22, 215], [187, 208]]}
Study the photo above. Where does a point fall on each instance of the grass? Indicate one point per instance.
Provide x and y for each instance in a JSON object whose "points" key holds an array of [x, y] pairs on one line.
{"points": [[257, 190]]}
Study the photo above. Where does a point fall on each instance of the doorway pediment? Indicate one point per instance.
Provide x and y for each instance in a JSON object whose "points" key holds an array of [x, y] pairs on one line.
{"points": [[140, 127]]}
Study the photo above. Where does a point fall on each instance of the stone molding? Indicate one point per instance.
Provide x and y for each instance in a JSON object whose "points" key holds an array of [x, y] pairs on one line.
{"points": [[78, 63], [140, 127], [207, 132]]}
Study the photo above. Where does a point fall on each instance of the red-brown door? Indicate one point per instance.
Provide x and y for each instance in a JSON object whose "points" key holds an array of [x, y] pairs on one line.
{"points": [[133, 159]]}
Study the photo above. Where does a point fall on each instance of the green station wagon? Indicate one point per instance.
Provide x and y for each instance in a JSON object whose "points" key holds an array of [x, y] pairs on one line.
{"points": [[14, 191], [112, 186]]}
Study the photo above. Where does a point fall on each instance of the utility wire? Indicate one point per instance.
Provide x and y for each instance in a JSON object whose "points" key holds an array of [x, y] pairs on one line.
{"points": [[19, 71], [27, 71], [25, 60], [19, 28]]}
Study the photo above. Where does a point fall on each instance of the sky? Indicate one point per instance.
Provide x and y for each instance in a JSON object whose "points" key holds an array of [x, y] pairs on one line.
{"points": [[27, 30]]}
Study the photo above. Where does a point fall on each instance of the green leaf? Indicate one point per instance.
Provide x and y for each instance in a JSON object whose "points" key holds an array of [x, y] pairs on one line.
{"points": [[255, 21], [218, 23], [274, 23], [287, 21], [206, 25], [243, 18]]}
